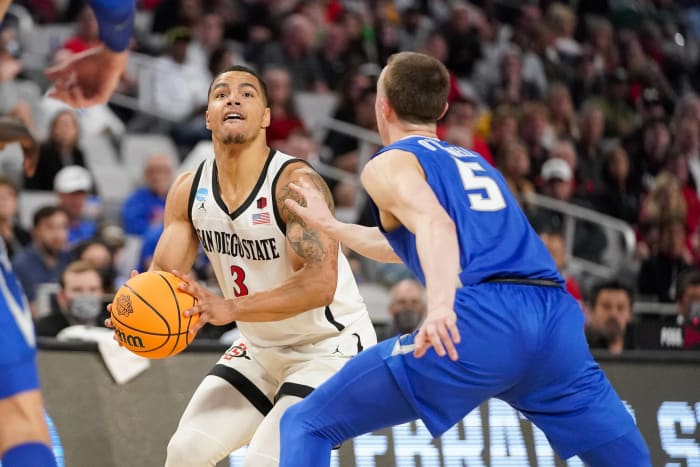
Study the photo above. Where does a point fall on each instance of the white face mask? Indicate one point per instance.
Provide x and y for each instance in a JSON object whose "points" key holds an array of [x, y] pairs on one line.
{"points": [[85, 308]]}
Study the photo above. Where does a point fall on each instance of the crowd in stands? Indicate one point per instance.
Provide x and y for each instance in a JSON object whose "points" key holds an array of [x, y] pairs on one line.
{"points": [[594, 103]]}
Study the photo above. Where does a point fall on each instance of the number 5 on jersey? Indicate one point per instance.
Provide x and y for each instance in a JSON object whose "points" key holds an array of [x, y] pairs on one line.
{"points": [[238, 277], [491, 199]]}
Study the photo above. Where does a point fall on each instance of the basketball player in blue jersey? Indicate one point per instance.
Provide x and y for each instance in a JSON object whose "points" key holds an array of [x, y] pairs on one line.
{"points": [[24, 436], [88, 78], [499, 322]]}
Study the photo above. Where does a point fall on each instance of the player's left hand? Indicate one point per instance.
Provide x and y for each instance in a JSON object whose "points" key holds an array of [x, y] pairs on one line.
{"points": [[211, 307], [440, 332], [87, 78]]}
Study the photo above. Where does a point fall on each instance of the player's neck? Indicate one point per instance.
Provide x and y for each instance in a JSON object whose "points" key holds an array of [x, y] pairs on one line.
{"points": [[400, 130], [239, 166]]}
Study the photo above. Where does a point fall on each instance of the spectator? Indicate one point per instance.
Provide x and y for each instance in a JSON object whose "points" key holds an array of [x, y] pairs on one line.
{"points": [[407, 308], [208, 37], [435, 45], [44, 259], [295, 51], [11, 233], [175, 90], [620, 118], [144, 208], [686, 143], [99, 256], [537, 134], [557, 178], [72, 185], [688, 302], [463, 41], [334, 56], [617, 196], [563, 149], [60, 150], [554, 241], [512, 89], [504, 128], [459, 127], [86, 33], [562, 114], [608, 316], [79, 301], [659, 273], [283, 114], [514, 163], [589, 148], [649, 154]]}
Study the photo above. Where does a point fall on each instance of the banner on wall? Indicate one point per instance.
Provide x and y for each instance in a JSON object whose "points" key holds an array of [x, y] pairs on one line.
{"points": [[101, 423]]}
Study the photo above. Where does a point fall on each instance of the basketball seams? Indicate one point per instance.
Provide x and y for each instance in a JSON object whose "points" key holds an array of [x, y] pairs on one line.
{"points": [[136, 294], [177, 304], [149, 302]]}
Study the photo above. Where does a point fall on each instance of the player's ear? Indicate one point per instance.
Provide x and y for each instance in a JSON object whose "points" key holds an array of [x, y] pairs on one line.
{"points": [[385, 108], [206, 117], [266, 118], [444, 111]]}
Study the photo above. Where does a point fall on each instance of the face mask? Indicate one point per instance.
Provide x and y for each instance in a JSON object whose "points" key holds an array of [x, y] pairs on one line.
{"points": [[406, 321], [85, 308]]}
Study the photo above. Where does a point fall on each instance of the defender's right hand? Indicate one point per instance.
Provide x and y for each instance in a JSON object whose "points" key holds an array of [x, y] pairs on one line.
{"points": [[314, 211]]}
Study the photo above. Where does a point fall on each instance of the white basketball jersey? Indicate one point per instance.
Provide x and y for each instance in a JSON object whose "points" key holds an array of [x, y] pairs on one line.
{"points": [[248, 252]]}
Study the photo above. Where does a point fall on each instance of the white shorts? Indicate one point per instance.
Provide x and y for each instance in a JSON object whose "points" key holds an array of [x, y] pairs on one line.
{"points": [[292, 370]]}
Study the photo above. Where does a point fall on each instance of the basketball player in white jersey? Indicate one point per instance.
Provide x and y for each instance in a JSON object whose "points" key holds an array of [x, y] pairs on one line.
{"points": [[289, 289]]}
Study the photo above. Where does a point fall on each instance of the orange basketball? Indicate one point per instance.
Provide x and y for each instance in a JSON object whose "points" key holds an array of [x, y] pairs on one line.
{"points": [[147, 314]]}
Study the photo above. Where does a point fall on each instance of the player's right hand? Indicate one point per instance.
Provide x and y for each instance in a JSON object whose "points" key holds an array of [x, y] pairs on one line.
{"points": [[87, 78], [108, 321], [314, 212], [439, 330]]}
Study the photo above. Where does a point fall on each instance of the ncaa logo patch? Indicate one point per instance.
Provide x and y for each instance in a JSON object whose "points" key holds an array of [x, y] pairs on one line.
{"points": [[124, 307], [201, 194]]}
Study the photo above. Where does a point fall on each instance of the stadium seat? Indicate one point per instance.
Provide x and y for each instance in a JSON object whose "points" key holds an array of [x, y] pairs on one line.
{"points": [[314, 108], [377, 301], [201, 151], [29, 201], [136, 148]]}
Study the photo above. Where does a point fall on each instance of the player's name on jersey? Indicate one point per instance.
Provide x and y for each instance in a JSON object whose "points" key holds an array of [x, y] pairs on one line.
{"points": [[214, 241]]}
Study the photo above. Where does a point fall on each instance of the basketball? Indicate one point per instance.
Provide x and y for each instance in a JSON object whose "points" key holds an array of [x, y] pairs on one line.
{"points": [[147, 315]]}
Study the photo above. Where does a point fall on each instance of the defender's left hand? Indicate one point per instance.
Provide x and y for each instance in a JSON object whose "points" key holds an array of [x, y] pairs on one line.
{"points": [[211, 307]]}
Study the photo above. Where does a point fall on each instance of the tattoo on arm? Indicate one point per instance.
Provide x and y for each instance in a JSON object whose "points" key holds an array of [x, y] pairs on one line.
{"points": [[306, 242]]}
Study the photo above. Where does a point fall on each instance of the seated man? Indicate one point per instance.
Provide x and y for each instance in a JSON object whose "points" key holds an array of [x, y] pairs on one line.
{"points": [[79, 301], [407, 308], [688, 301], [608, 316]]}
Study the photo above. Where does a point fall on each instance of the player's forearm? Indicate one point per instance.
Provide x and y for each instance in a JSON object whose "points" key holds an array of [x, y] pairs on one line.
{"points": [[438, 250], [116, 22], [367, 241], [304, 290], [4, 5]]}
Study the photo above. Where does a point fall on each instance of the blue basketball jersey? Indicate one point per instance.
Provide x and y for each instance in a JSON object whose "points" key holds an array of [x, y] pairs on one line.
{"points": [[16, 330], [495, 238]]}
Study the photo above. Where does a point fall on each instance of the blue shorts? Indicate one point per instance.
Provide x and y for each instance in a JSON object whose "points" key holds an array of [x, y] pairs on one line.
{"points": [[526, 346], [18, 370]]}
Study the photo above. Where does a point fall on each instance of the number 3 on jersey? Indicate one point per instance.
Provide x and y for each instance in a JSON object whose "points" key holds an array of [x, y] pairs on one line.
{"points": [[238, 277], [492, 200]]}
